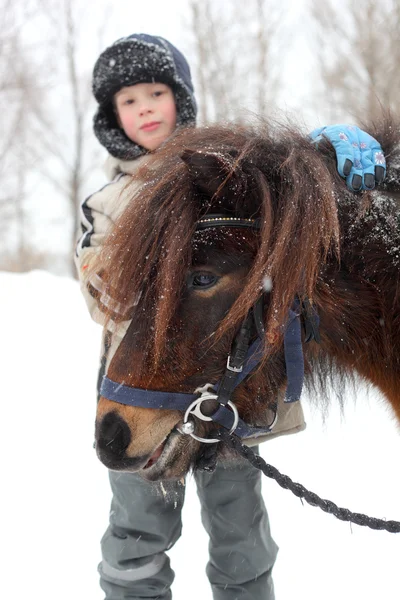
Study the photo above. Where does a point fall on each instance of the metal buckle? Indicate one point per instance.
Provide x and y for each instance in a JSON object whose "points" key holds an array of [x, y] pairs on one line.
{"points": [[234, 369], [187, 426]]}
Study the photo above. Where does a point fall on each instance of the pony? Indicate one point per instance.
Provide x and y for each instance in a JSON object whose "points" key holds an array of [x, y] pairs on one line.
{"points": [[237, 233]]}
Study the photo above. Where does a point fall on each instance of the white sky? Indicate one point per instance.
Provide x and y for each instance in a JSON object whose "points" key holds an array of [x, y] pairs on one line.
{"points": [[55, 498]]}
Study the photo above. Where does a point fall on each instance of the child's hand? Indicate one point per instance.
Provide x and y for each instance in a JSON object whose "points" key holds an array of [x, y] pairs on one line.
{"points": [[360, 159]]}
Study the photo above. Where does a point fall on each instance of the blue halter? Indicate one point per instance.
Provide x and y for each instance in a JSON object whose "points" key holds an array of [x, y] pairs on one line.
{"points": [[190, 403], [144, 398]]}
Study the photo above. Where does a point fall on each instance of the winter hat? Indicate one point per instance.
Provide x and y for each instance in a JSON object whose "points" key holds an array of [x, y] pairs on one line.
{"points": [[138, 58]]}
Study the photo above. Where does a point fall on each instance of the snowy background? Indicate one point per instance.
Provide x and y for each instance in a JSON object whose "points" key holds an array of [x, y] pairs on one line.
{"points": [[55, 498], [51, 159]]}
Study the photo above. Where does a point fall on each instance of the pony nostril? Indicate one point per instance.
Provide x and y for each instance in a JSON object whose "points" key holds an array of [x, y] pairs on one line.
{"points": [[113, 435]]}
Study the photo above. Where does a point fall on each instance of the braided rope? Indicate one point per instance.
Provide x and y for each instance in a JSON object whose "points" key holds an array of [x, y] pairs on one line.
{"points": [[300, 491]]}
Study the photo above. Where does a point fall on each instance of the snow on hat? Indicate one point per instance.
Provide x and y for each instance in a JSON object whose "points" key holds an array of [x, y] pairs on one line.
{"points": [[138, 58]]}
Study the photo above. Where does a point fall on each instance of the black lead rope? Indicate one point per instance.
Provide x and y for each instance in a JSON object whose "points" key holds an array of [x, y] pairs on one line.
{"points": [[296, 488]]}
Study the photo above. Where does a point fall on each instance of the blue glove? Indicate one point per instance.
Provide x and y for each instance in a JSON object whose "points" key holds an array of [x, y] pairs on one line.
{"points": [[359, 156]]}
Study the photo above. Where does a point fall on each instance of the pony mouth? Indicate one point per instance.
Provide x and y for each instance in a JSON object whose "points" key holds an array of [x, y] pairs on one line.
{"points": [[156, 455], [166, 460], [162, 452]]}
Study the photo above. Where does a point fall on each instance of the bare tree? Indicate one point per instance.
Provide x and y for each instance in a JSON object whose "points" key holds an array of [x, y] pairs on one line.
{"points": [[67, 142], [358, 48], [232, 50], [20, 81]]}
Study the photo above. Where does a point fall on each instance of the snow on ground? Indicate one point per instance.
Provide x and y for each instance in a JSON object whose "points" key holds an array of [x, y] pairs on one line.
{"points": [[55, 498]]}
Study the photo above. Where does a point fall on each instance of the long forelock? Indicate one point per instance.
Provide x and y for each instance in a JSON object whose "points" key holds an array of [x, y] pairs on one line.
{"points": [[148, 255]]}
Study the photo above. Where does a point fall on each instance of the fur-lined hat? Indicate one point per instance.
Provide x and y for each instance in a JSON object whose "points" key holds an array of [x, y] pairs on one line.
{"points": [[138, 58]]}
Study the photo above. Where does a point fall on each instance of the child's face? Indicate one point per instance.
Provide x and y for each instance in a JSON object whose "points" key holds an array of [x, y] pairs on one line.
{"points": [[147, 113]]}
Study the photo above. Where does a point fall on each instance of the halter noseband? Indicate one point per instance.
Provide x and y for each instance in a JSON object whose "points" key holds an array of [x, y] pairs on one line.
{"points": [[243, 360]]}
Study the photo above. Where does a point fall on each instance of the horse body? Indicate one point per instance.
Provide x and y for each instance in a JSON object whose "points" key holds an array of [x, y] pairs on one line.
{"points": [[193, 288]]}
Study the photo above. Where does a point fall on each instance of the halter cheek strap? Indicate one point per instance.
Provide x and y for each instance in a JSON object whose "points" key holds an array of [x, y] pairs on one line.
{"points": [[123, 394], [239, 366]]}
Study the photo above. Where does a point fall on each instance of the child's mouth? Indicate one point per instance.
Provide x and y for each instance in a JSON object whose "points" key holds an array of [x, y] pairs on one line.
{"points": [[150, 126]]}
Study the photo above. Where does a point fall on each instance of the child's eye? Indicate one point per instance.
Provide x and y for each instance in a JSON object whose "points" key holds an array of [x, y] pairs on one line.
{"points": [[158, 93], [129, 101]]}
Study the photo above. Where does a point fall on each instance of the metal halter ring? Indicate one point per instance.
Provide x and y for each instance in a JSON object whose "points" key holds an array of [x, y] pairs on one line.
{"points": [[194, 409]]}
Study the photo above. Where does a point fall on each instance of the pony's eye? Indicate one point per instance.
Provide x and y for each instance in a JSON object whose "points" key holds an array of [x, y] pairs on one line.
{"points": [[203, 280]]}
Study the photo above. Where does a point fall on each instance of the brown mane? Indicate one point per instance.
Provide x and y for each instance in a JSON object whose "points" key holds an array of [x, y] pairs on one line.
{"points": [[278, 177]]}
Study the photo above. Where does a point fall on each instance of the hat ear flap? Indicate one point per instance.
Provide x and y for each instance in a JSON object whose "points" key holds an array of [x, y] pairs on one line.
{"points": [[112, 137], [111, 114], [215, 174]]}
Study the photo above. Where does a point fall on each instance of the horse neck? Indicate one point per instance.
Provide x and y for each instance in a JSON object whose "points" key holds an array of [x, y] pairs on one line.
{"points": [[359, 303]]}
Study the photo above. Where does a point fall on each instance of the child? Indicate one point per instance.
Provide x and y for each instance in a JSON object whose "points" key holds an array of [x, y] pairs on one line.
{"points": [[144, 91]]}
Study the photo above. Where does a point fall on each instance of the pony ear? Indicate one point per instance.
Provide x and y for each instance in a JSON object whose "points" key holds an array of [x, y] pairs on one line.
{"points": [[215, 174]]}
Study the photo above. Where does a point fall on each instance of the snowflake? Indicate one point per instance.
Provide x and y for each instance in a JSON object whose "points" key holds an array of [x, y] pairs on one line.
{"points": [[343, 136], [379, 158], [354, 144], [363, 145]]}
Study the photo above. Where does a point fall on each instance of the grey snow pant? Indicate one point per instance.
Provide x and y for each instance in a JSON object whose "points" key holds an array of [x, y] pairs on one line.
{"points": [[145, 521]]}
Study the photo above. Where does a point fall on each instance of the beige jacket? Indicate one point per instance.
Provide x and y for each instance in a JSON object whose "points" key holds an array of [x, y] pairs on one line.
{"points": [[98, 214]]}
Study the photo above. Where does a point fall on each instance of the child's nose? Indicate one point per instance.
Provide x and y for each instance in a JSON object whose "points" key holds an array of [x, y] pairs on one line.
{"points": [[145, 109]]}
